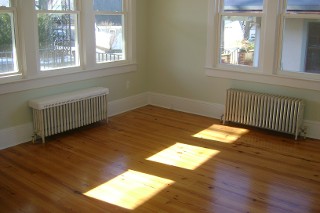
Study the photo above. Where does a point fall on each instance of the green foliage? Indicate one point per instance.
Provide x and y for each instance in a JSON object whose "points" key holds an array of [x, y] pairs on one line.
{"points": [[246, 46], [6, 31], [44, 29]]}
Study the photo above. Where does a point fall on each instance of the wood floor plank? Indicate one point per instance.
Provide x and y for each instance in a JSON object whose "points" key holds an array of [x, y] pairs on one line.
{"points": [[157, 160]]}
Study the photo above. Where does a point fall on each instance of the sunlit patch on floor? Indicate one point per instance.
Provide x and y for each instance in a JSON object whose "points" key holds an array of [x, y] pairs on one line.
{"points": [[184, 156], [130, 189], [221, 133]]}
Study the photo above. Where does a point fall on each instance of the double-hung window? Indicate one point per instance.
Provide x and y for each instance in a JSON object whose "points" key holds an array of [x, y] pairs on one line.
{"points": [[240, 27], [301, 37], [58, 34], [266, 41], [64, 39], [110, 21], [8, 50]]}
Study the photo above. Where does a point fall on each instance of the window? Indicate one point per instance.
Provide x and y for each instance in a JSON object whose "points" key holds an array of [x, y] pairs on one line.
{"points": [[301, 37], [8, 54], [240, 23], [110, 19], [272, 42], [62, 41], [57, 30]]}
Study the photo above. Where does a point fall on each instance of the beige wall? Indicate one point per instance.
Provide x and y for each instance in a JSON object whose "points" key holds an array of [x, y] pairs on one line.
{"points": [[176, 57]]}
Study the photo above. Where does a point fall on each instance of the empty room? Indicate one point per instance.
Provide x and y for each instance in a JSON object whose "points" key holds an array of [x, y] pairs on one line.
{"points": [[160, 106]]}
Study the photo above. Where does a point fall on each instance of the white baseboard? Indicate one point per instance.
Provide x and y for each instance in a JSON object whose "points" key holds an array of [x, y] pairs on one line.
{"points": [[23, 133], [15, 135], [313, 129], [203, 108], [126, 104]]}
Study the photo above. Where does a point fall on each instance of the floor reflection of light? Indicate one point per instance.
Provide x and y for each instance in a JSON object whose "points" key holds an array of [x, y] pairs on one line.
{"points": [[221, 133], [184, 156], [130, 189], [293, 199]]}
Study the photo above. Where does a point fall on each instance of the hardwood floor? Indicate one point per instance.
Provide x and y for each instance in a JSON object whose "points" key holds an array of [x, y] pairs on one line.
{"points": [[158, 160]]}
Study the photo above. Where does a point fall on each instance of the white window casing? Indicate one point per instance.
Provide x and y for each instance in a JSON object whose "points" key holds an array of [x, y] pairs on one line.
{"points": [[268, 70]]}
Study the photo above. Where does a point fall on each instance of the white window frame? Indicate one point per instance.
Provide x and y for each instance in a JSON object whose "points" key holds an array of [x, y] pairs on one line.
{"points": [[124, 14], [31, 77], [270, 51], [62, 70], [220, 14], [293, 15], [129, 9]]}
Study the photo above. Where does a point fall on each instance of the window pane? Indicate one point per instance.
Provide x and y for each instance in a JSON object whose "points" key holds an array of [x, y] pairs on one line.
{"points": [[303, 5], [4, 3], [243, 5], [240, 38], [107, 5], [57, 40], [301, 45], [109, 38], [7, 44], [54, 4]]}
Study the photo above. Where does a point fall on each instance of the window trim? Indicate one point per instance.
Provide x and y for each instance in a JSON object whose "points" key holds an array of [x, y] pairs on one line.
{"points": [[268, 72], [289, 15], [31, 77]]}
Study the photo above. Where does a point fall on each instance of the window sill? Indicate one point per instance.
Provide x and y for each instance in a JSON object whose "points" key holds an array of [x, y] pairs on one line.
{"points": [[281, 79], [58, 78]]}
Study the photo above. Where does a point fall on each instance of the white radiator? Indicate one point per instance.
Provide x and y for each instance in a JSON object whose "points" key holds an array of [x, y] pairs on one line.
{"points": [[59, 113], [279, 113]]}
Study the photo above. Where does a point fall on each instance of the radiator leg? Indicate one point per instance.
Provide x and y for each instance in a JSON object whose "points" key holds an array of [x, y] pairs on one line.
{"points": [[304, 132], [34, 138]]}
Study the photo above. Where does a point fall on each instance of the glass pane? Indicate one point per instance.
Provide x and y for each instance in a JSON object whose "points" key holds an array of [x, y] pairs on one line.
{"points": [[301, 46], [303, 5], [243, 5], [240, 39], [57, 40], [107, 5], [4, 3], [54, 4], [109, 38], [7, 46]]}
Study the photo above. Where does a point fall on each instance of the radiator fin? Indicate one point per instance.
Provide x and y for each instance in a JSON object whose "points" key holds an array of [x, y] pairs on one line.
{"points": [[279, 113]]}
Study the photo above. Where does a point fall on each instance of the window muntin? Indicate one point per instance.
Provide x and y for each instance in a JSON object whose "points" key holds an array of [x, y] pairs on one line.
{"points": [[109, 30], [8, 52], [240, 26], [57, 31], [300, 51]]}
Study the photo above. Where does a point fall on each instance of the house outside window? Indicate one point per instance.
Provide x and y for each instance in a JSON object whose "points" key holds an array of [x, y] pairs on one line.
{"points": [[301, 37], [110, 19], [240, 23]]}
